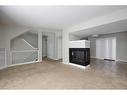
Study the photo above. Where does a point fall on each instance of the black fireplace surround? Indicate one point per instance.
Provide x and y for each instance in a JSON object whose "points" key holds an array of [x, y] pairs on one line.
{"points": [[79, 56]]}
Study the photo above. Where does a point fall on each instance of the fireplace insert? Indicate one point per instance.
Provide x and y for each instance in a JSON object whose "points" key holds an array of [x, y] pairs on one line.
{"points": [[79, 56]]}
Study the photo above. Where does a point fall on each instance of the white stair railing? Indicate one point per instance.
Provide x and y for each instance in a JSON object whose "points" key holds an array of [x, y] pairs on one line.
{"points": [[28, 44], [2, 58], [19, 57]]}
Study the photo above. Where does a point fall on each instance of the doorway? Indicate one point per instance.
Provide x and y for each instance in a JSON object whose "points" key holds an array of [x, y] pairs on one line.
{"points": [[44, 46]]}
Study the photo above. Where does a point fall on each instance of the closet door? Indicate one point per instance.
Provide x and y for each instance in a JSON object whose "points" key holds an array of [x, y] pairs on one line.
{"points": [[114, 48], [98, 47], [111, 48], [106, 48], [101, 48]]}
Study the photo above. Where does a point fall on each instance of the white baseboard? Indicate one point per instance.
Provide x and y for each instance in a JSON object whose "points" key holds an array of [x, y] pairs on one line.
{"points": [[23, 63], [83, 67], [122, 60], [64, 62], [3, 67], [115, 60], [55, 59], [18, 64]]}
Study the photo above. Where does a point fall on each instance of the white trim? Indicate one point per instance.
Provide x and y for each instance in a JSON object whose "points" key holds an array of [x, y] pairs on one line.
{"points": [[5, 58], [122, 60], [79, 66], [23, 50], [102, 58], [23, 63], [28, 44], [65, 63], [10, 57], [40, 46], [83, 67], [3, 67], [18, 64]]}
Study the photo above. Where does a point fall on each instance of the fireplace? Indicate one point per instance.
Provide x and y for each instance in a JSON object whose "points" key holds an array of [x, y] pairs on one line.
{"points": [[79, 53], [79, 56]]}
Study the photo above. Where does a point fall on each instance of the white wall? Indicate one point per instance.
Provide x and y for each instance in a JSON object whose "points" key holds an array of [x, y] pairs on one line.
{"points": [[7, 33], [26, 41], [18, 44], [66, 37], [2, 58], [59, 50], [106, 19], [50, 44], [106, 48], [93, 43], [1, 37], [58, 45], [44, 46], [54, 45], [73, 37], [65, 49], [92, 47], [121, 45], [10, 32], [40, 46], [31, 38]]}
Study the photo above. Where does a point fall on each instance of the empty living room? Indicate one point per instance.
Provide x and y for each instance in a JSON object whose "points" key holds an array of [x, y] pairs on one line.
{"points": [[63, 47]]}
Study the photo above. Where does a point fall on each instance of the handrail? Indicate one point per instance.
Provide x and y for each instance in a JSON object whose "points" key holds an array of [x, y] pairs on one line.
{"points": [[23, 50], [28, 56], [31, 56], [28, 43]]}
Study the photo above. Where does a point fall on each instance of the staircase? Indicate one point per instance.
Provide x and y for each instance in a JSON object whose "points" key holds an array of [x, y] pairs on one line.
{"points": [[23, 51]]}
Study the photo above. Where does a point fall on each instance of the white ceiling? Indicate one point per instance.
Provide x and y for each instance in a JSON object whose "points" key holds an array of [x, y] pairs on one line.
{"points": [[119, 26], [54, 17]]}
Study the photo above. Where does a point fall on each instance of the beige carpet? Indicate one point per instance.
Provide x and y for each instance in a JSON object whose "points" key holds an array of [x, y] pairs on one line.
{"points": [[55, 75]]}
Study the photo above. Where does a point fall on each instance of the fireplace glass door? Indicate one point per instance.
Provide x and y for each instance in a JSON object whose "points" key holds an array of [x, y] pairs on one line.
{"points": [[79, 56]]}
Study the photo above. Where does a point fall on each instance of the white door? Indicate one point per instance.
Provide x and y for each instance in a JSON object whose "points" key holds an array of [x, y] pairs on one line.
{"points": [[106, 48], [111, 48]]}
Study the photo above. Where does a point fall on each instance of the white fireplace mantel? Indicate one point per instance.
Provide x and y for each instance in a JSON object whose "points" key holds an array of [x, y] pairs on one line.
{"points": [[79, 44]]}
